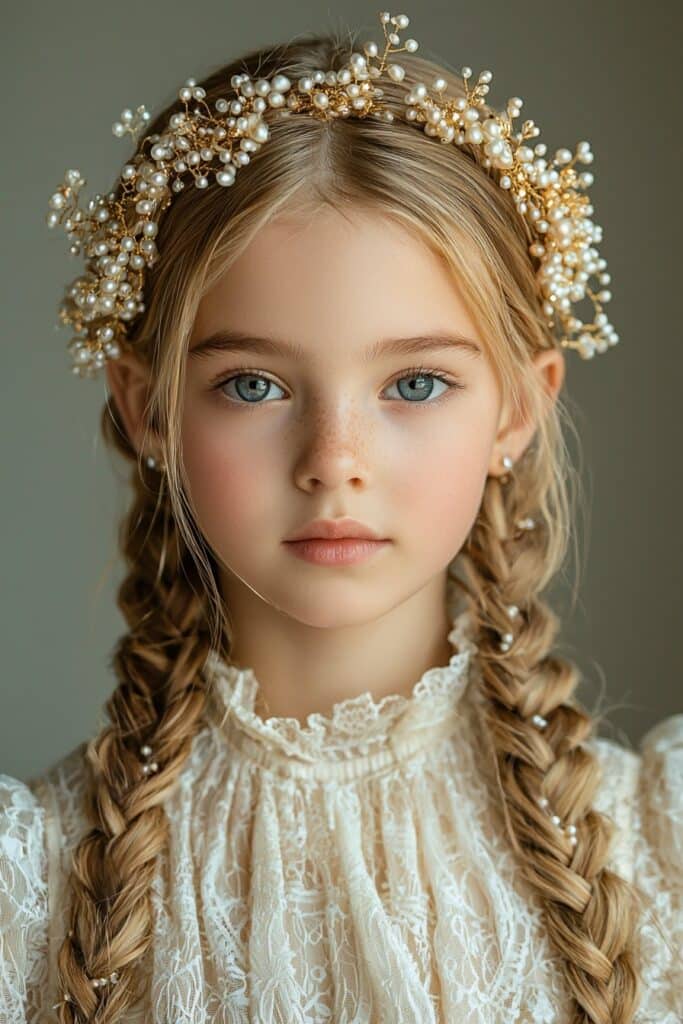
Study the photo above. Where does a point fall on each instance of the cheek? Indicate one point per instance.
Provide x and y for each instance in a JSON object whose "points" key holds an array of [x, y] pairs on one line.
{"points": [[439, 485], [229, 481]]}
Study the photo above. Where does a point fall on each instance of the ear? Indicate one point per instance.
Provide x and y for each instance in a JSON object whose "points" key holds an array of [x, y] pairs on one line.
{"points": [[514, 437], [129, 382]]}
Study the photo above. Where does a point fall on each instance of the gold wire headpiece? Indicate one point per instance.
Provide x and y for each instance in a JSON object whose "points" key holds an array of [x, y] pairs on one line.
{"points": [[118, 235]]}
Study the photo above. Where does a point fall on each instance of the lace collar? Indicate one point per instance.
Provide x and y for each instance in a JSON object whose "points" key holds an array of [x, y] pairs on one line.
{"points": [[357, 726]]}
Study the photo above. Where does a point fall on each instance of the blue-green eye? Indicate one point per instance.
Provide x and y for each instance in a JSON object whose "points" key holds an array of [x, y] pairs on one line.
{"points": [[251, 386], [420, 385]]}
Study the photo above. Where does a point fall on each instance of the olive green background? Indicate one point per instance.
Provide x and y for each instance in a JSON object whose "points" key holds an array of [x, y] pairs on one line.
{"points": [[605, 72]]}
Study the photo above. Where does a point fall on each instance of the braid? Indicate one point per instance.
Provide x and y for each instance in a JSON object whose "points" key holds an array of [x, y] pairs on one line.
{"points": [[589, 910], [159, 703]]}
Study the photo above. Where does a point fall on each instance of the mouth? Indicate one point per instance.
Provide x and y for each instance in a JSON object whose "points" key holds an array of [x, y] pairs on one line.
{"points": [[336, 551]]}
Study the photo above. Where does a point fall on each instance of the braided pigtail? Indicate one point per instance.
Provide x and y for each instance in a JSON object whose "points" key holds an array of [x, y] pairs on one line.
{"points": [[547, 778], [134, 762]]}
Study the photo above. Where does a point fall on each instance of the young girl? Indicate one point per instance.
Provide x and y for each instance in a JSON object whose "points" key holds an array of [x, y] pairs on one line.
{"points": [[345, 779]]}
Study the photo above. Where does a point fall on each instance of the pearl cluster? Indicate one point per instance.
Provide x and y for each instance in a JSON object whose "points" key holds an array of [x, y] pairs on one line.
{"points": [[569, 830], [546, 195], [101, 982], [507, 638], [95, 982], [149, 767], [206, 146]]}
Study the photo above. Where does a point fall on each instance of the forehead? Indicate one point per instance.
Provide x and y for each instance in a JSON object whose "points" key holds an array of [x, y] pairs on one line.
{"points": [[345, 279]]}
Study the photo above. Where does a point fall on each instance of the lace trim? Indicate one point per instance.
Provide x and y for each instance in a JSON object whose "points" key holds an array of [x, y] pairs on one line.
{"points": [[357, 726]]}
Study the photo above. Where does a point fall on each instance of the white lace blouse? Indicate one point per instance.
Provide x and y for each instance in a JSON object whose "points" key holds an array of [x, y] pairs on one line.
{"points": [[351, 870]]}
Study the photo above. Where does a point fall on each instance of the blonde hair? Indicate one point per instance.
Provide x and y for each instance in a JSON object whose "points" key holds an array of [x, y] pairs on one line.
{"points": [[170, 598]]}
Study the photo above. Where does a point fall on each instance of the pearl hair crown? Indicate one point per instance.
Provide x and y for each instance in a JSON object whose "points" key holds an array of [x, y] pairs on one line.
{"points": [[118, 235]]}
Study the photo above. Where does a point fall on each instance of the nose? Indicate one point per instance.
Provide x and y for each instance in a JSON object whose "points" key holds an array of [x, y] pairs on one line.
{"points": [[336, 448]]}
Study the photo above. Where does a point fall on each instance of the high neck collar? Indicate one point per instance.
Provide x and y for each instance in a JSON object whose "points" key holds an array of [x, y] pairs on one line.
{"points": [[357, 726]]}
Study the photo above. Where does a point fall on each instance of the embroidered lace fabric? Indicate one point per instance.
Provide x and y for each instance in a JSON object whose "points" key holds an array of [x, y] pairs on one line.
{"points": [[354, 869]]}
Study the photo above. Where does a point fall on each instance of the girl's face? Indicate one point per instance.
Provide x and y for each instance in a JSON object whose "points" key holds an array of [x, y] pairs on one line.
{"points": [[343, 425]]}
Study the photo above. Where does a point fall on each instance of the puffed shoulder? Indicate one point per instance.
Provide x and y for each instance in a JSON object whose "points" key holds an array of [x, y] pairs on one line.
{"points": [[658, 863], [662, 792], [23, 897], [641, 790]]}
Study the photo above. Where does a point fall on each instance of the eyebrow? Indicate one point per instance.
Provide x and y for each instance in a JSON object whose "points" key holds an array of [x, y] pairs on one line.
{"points": [[238, 341]]}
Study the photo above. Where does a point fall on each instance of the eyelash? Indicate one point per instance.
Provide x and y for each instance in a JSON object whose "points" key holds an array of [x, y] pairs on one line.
{"points": [[415, 371]]}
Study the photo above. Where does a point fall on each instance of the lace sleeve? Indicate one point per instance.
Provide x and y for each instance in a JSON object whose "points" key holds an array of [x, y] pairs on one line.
{"points": [[658, 867], [23, 900]]}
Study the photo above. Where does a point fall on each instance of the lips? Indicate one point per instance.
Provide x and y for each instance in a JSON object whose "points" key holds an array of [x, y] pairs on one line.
{"points": [[334, 529], [338, 552]]}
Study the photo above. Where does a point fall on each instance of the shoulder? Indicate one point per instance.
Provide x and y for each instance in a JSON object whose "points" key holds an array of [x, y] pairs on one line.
{"points": [[23, 894], [649, 781], [642, 791], [40, 820], [22, 847], [642, 788], [661, 790], [22, 822]]}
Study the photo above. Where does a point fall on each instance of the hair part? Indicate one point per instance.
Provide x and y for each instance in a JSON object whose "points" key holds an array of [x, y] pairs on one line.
{"points": [[170, 598]]}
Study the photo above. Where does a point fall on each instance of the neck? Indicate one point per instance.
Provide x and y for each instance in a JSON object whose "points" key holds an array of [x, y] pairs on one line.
{"points": [[305, 668]]}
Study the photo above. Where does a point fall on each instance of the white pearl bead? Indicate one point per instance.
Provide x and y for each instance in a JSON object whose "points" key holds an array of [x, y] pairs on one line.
{"points": [[474, 135], [280, 83]]}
